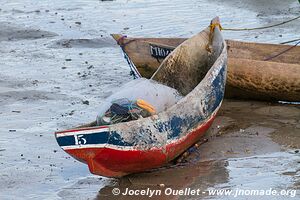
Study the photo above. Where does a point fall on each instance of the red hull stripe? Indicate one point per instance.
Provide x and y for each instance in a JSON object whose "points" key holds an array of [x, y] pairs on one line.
{"points": [[119, 162]]}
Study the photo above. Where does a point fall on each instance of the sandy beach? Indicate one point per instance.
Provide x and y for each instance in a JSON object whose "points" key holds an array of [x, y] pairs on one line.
{"points": [[58, 63]]}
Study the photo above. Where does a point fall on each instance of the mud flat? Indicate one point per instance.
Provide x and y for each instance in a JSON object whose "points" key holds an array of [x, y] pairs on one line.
{"points": [[57, 65], [251, 145]]}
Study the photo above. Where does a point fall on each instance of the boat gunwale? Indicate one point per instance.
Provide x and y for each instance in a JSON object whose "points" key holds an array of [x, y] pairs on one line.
{"points": [[132, 148], [236, 44]]}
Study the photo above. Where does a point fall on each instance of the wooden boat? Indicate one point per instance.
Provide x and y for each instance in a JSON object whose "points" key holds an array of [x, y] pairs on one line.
{"points": [[129, 147], [256, 71]]}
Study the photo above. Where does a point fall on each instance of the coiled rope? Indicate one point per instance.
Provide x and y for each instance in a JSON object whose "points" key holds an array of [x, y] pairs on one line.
{"points": [[290, 41]]}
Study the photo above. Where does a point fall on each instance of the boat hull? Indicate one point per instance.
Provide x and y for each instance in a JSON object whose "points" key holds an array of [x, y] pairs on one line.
{"points": [[118, 162], [135, 146], [253, 71]]}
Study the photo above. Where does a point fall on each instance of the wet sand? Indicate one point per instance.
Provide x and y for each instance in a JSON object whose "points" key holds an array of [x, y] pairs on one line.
{"points": [[58, 62], [248, 147]]}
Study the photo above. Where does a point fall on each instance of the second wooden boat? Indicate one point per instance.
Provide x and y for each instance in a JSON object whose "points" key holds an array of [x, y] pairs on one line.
{"points": [[258, 71]]}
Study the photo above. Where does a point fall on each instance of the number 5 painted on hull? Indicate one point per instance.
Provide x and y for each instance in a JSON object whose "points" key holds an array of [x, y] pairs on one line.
{"points": [[79, 140]]}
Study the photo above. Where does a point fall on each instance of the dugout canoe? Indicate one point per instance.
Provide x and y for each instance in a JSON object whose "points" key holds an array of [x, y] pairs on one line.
{"points": [[259, 71], [130, 147]]}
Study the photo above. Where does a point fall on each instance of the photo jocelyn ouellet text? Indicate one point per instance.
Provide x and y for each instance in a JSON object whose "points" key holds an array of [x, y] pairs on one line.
{"points": [[209, 192]]}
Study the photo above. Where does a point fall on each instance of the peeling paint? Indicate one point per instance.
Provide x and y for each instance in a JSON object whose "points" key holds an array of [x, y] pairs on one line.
{"points": [[153, 141]]}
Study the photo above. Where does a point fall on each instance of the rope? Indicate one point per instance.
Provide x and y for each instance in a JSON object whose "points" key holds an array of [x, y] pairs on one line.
{"points": [[190, 150], [258, 28], [211, 33], [135, 73], [123, 110], [270, 58], [290, 41], [121, 42], [214, 25], [133, 70]]}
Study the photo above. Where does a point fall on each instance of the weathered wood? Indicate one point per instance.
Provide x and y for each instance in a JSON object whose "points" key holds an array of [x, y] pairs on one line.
{"points": [[191, 60], [264, 79], [120, 149], [138, 49], [250, 76]]}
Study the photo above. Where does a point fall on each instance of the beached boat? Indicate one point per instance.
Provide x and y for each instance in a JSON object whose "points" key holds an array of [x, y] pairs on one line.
{"points": [[129, 147], [258, 71]]}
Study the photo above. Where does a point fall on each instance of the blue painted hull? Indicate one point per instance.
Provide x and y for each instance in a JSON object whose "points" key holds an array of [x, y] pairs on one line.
{"points": [[134, 146]]}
